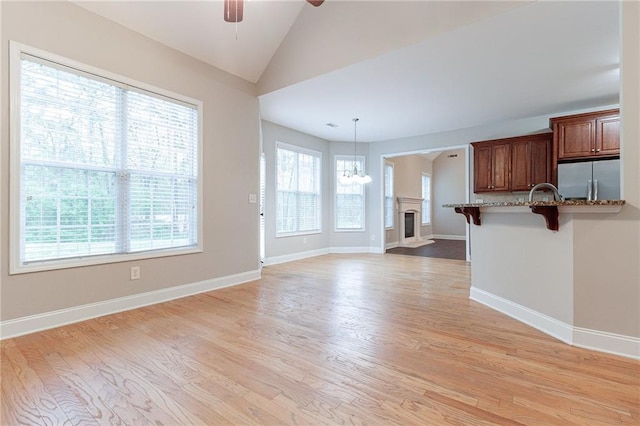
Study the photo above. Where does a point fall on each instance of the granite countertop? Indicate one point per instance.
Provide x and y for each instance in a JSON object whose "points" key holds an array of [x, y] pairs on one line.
{"points": [[541, 203]]}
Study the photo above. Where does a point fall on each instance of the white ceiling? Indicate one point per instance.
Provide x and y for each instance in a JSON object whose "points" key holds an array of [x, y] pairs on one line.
{"points": [[430, 67]]}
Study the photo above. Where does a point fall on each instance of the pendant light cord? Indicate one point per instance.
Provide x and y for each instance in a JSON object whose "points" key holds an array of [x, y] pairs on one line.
{"points": [[355, 145]]}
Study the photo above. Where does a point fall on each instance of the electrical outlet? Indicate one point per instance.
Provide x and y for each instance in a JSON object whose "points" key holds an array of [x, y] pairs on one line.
{"points": [[135, 273], [479, 200], [545, 198], [253, 198], [304, 240], [521, 199], [373, 238]]}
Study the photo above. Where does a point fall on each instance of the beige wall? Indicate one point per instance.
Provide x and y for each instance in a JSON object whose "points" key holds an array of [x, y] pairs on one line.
{"points": [[230, 159], [449, 188], [514, 257]]}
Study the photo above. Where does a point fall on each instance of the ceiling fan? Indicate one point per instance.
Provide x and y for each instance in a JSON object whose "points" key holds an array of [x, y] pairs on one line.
{"points": [[233, 9]]}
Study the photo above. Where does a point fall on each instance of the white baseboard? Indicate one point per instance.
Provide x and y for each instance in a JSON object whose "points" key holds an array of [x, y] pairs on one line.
{"points": [[449, 237], [294, 256], [542, 322], [617, 344], [47, 320]]}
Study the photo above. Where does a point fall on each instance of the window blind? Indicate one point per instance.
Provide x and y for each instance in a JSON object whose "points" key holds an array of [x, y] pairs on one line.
{"points": [[349, 201], [298, 190], [104, 168], [426, 199], [389, 205]]}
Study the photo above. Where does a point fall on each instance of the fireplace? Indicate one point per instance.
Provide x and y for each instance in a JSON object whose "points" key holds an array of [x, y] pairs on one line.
{"points": [[409, 214], [409, 224]]}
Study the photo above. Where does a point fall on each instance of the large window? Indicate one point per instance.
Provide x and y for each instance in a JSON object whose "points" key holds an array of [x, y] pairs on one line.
{"points": [[389, 204], [101, 168], [426, 199], [349, 202], [298, 190]]}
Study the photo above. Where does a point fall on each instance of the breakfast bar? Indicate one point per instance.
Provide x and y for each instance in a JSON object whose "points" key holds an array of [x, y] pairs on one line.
{"points": [[520, 268], [550, 210]]}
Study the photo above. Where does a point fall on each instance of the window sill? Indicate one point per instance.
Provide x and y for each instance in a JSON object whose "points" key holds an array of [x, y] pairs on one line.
{"points": [[98, 260], [297, 234]]}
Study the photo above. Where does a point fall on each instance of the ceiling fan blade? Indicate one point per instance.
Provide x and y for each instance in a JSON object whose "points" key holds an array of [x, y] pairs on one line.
{"points": [[316, 3], [233, 10]]}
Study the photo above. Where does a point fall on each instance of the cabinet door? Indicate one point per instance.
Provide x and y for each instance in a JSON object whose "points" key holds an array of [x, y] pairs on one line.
{"points": [[608, 136], [520, 166], [576, 139], [482, 169], [540, 156], [501, 165]]}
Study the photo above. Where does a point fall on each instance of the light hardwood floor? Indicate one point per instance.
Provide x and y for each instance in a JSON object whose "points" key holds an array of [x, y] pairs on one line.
{"points": [[337, 339]]}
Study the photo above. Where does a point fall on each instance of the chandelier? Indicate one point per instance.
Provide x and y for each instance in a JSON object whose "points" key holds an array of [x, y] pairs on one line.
{"points": [[355, 175]]}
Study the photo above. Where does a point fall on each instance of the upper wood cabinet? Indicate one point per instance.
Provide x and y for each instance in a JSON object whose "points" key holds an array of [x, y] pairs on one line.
{"points": [[492, 164], [512, 164], [530, 161], [586, 136]]}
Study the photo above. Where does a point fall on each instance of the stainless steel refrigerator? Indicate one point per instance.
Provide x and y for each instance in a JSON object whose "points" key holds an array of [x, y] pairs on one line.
{"points": [[590, 180]]}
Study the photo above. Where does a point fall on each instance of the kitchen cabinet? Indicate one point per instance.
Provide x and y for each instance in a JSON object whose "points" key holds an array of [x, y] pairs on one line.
{"points": [[492, 164], [530, 161], [586, 136], [512, 164]]}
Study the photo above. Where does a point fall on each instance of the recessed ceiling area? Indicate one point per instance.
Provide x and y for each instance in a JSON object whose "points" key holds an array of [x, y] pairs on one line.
{"points": [[403, 68]]}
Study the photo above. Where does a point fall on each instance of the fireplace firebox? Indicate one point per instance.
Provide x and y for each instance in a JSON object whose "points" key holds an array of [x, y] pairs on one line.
{"points": [[409, 224]]}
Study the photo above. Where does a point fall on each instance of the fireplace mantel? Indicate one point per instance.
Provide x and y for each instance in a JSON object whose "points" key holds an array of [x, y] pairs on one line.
{"points": [[409, 204]]}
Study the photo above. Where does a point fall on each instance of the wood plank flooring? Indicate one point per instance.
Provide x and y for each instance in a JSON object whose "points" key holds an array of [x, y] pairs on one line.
{"points": [[336, 339], [443, 249]]}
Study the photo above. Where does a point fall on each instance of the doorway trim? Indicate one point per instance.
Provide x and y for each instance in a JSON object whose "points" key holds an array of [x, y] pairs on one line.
{"points": [[467, 187]]}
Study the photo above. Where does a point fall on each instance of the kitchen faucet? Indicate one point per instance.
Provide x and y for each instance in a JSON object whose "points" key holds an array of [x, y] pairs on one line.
{"points": [[556, 194]]}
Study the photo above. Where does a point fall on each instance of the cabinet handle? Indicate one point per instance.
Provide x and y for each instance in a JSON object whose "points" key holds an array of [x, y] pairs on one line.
{"points": [[593, 150], [598, 150]]}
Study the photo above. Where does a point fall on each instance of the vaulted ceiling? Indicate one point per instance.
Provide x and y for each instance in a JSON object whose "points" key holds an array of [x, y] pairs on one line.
{"points": [[403, 67]]}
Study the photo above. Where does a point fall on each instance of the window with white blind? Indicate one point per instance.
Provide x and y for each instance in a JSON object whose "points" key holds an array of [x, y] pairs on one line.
{"points": [[389, 205], [349, 199], [298, 190], [103, 169], [426, 199]]}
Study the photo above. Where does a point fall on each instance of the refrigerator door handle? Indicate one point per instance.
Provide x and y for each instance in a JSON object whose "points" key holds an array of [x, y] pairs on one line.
{"points": [[595, 189], [589, 190]]}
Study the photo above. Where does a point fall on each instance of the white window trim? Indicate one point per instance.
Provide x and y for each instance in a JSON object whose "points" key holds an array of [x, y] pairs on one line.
{"points": [[430, 198], [307, 151], [393, 218], [364, 199], [15, 267]]}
